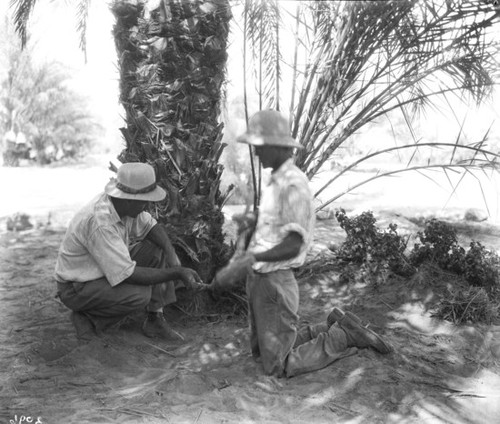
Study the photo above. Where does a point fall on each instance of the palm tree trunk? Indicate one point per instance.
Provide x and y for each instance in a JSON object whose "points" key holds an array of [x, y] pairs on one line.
{"points": [[172, 64]]}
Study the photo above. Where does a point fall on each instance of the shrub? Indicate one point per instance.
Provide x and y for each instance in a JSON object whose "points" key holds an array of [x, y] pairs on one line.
{"points": [[439, 245], [482, 267], [378, 251]]}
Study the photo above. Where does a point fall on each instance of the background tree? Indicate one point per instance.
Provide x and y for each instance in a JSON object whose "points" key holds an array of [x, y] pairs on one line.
{"points": [[37, 102], [358, 61]]}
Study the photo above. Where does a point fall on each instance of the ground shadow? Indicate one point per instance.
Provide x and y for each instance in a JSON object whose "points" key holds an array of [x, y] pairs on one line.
{"points": [[438, 373]]}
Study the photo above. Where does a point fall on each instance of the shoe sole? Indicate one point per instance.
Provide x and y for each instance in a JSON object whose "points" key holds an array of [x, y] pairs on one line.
{"points": [[349, 319]]}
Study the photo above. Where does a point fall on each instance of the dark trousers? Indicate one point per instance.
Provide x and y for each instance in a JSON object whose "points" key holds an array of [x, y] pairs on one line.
{"points": [[99, 299], [275, 338]]}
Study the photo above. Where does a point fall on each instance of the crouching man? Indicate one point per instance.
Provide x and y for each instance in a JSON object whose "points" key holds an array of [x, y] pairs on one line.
{"points": [[116, 259]]}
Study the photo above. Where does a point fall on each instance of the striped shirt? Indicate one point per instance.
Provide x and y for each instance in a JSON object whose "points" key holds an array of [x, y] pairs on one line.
{"points": [[96, 243], [286, 206]]}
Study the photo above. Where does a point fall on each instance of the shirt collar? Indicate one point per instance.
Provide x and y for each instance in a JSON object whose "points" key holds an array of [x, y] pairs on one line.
{"points": [[114, 215], [281, 170]]}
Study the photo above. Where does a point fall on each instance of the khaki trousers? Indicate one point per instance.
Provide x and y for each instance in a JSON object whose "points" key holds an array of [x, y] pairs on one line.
{"points": [[284, 349], [99, 299]]}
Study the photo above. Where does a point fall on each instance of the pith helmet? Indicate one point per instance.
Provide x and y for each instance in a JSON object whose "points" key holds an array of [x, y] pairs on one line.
{"points": [[268, 128], [135, 181]]}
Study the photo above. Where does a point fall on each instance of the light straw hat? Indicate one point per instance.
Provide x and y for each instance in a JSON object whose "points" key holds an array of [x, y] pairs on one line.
{"points": [[135, 181], [268, 128]]}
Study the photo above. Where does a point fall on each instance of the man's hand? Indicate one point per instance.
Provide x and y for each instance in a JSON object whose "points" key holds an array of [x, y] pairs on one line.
{"points": [[235, 271], [190, 278], [245, 221]]}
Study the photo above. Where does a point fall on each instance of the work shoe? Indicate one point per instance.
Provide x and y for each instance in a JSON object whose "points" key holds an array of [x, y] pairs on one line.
{"points": [[332, 317], [155, 325], [357, 335], [335, 314], [84, 327]]}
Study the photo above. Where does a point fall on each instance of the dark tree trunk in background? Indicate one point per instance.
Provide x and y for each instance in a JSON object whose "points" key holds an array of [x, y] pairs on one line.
{"points": [[172, 68]]}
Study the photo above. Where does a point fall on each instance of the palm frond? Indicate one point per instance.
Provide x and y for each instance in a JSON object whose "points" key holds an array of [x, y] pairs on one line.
{"points": [[263, 20], [441, 167], [21, 15], [82, 13], [491, 158], [385, 55], [24, 8]]}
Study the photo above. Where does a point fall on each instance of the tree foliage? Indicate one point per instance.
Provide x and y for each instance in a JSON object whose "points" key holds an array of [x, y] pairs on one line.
{"points": [[356, 61], [37, 101]]}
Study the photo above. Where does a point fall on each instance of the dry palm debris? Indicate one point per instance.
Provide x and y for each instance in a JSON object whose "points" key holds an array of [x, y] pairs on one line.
{"points": [[467, 306]]}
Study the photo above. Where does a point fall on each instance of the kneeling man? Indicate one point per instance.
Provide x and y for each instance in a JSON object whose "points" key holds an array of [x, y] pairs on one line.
{"points": [[116, 259], [283, 232]]}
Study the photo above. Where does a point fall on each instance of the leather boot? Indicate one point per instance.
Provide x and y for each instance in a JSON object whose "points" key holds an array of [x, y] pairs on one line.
{"points": [[357, 335], [155, 325]]}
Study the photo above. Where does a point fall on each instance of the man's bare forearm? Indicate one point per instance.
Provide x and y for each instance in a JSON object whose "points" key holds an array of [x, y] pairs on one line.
{"points": [[287, 249], [144, 276]]}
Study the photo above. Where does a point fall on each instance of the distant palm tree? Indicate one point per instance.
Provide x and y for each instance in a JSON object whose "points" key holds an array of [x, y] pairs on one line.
{"points": [[172, 69], [37, 107], [356, 61]]}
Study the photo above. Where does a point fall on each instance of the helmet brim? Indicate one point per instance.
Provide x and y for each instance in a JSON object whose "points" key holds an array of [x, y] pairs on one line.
{"points": [[268, 140]]}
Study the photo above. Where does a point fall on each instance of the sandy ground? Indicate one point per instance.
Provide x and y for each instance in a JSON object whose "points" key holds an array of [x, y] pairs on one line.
{"points": [[439, 373]]}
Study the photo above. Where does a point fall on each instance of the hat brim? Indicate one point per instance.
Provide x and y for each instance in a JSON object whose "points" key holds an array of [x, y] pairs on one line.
{"points": [[153, 196], [259, 140]]}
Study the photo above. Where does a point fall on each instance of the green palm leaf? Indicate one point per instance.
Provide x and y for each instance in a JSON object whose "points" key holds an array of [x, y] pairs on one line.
{"points": [[365, 59]]}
